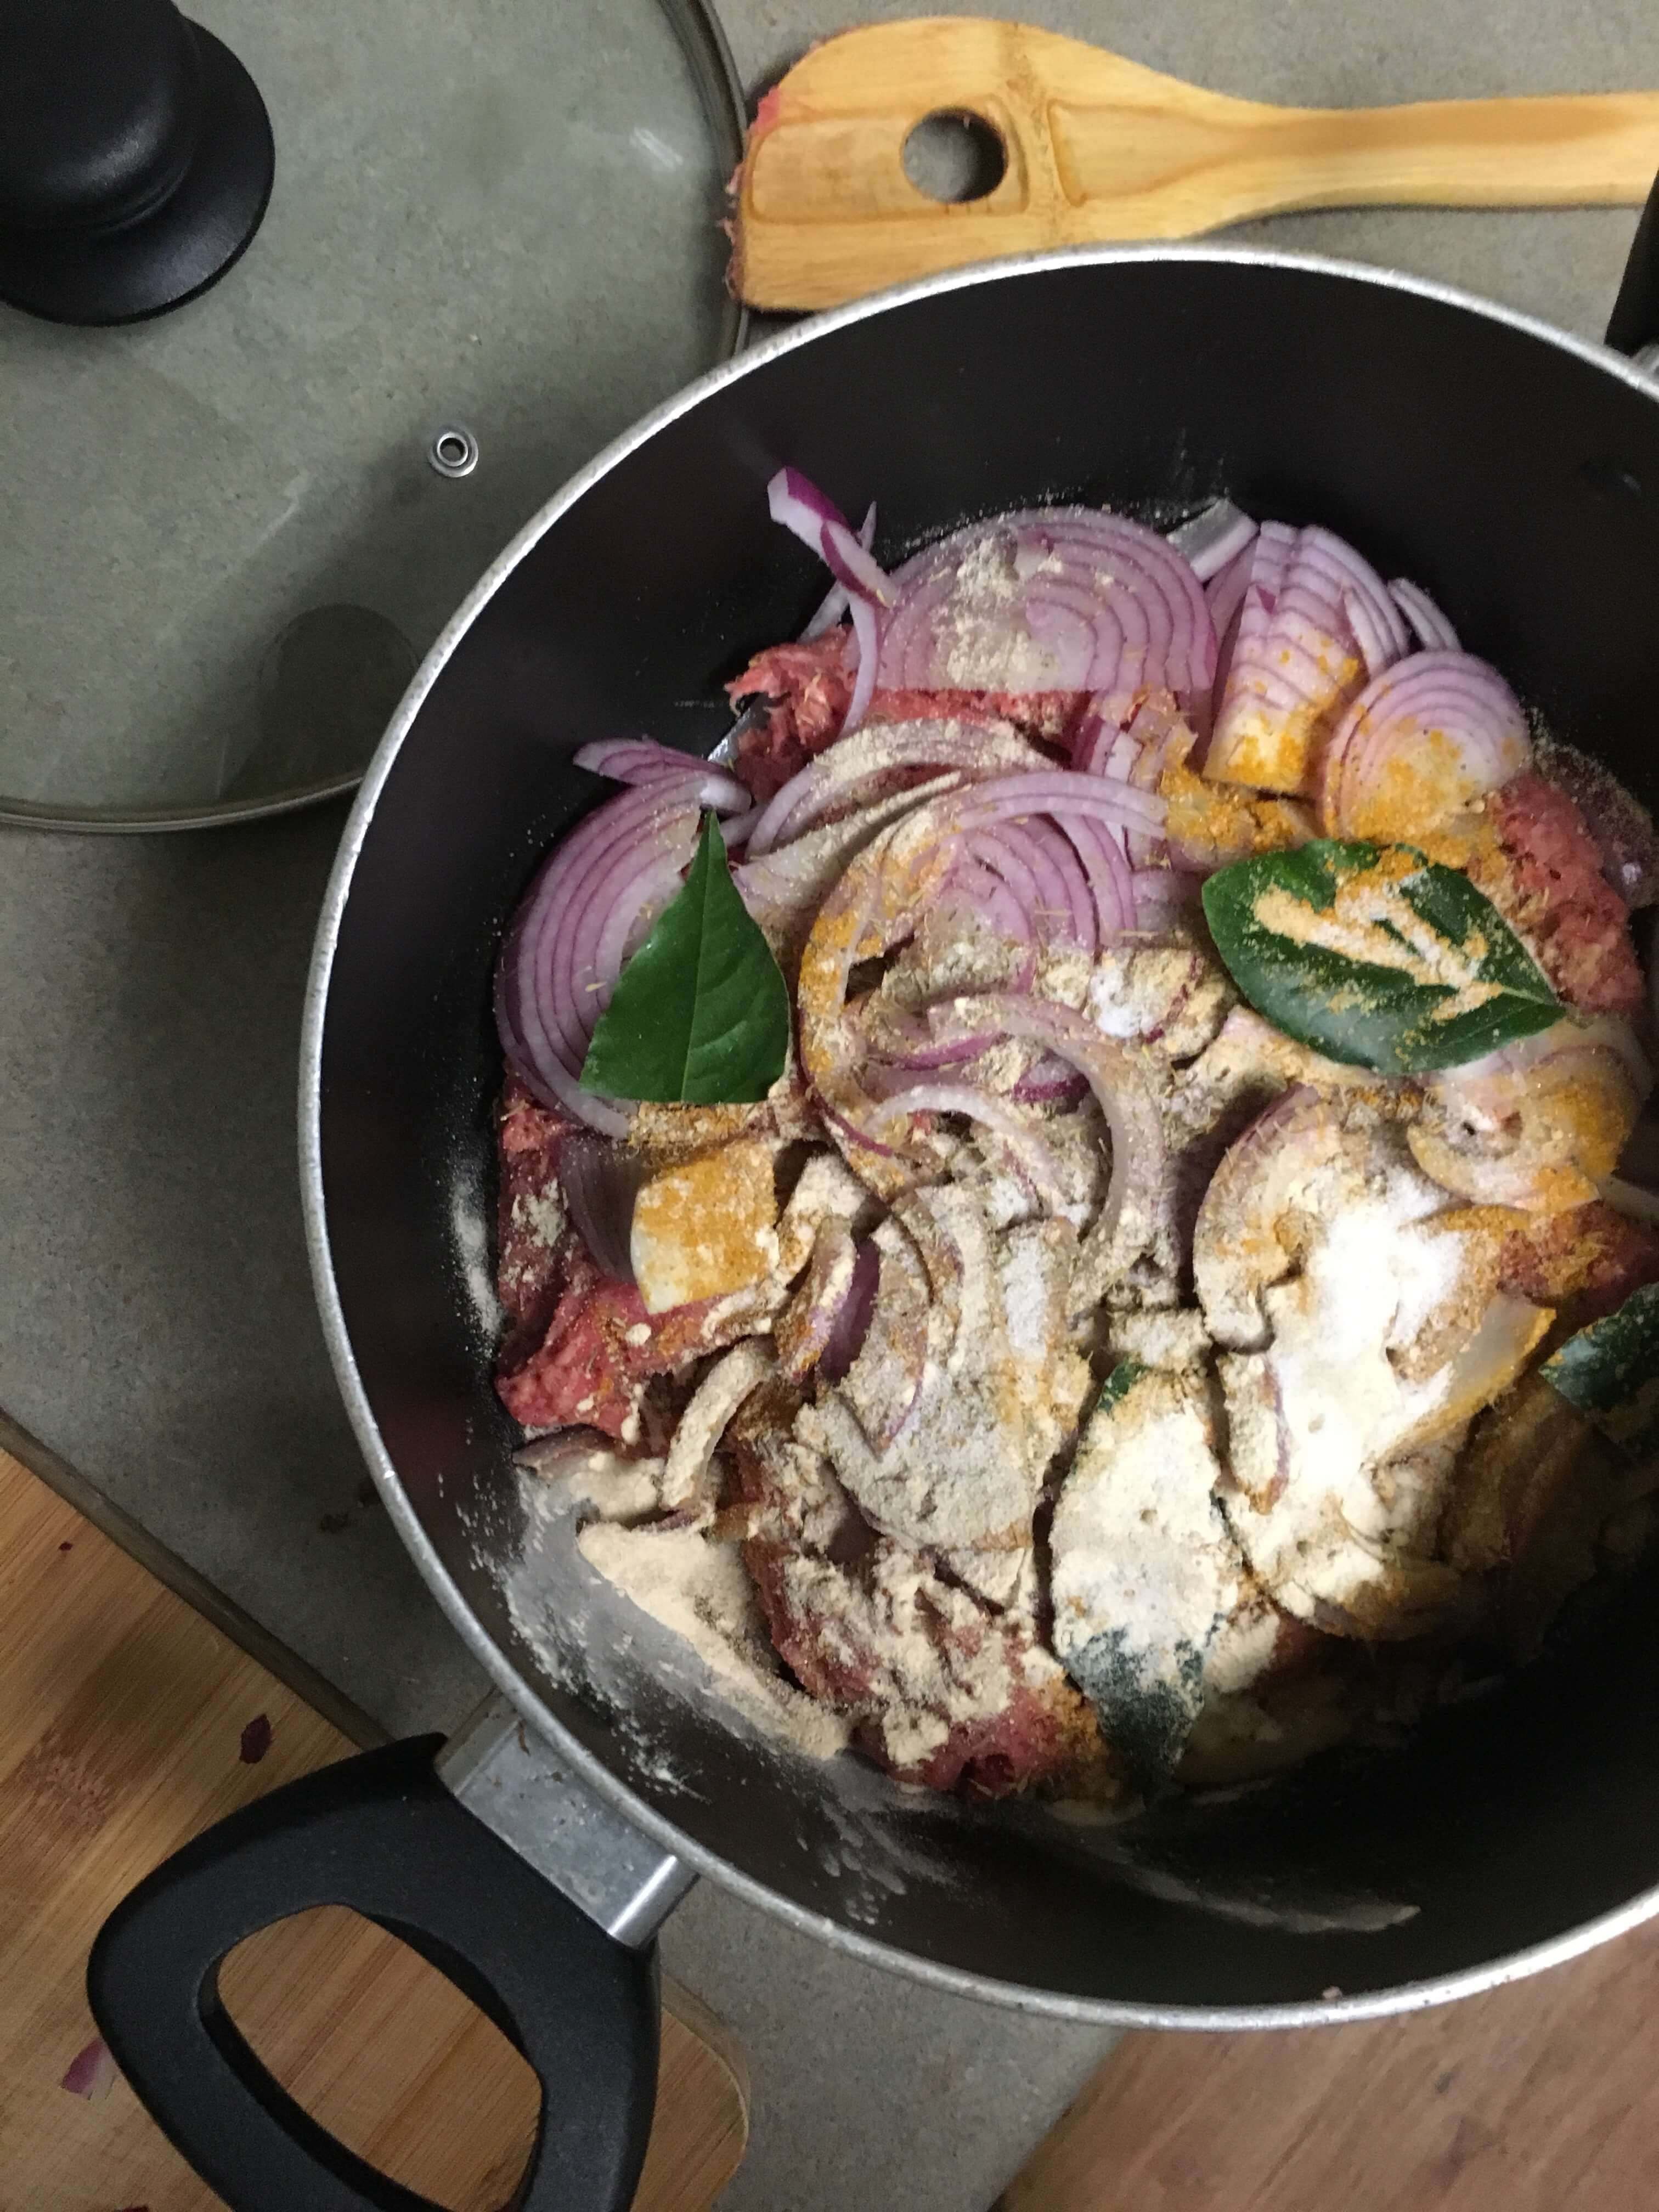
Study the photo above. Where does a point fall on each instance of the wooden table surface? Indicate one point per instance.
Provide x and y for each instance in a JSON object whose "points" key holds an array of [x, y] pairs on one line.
{"points": [[128, 1721], [1541, 2097]]}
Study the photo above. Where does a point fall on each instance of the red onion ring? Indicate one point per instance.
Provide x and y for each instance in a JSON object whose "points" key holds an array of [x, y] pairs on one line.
{"points": [[832, 605], [1048, 1078], [864, 682], [991, 900], [1115, 1077], [1063, 907], [600, 1179], [1434, 630], [581, 906], [642, 762], [796, 503], [841, 775], [1211, 541], [1308, 633], [1036, 1160], [875, 903], [1111, 602], [853, 568], [1430, 734], [851, 1325], [1106, 865]]}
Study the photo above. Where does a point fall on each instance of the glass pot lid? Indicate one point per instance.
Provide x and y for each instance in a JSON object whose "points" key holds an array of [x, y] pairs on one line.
{"points": [[229, 535]]}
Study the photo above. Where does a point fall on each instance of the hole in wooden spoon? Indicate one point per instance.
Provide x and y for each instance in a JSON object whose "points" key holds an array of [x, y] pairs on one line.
{"points": [[954, 156]]}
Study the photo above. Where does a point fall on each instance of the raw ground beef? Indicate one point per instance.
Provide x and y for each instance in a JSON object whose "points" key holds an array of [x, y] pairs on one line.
{"points": [[529, 1219], [839, 1645], [581, 1370], [1561, 902], [809, 686], [1584, 1262]]}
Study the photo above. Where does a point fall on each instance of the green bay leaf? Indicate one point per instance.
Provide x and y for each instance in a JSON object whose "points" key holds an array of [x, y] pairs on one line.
{"points": [[1118, 1384], [1444, 978], [1610, 1371], [700, 1015]]}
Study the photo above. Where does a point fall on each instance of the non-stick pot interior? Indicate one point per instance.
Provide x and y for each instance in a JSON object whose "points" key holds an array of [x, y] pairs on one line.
{"points": [[1515, 478]]}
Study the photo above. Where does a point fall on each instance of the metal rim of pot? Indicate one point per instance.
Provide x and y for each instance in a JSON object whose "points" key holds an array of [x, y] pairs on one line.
{"points": [[703, 41], [1635, 371]]}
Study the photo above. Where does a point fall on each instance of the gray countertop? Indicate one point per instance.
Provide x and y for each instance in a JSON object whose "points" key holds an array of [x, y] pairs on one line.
{"points": [[155, 1317]]}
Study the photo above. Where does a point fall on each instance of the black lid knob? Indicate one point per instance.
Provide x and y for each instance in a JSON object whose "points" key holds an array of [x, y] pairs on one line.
{"points": [[135, 158]]}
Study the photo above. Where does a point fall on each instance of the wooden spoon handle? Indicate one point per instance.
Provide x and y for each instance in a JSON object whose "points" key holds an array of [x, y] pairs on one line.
{"points": [[1098, 149]]}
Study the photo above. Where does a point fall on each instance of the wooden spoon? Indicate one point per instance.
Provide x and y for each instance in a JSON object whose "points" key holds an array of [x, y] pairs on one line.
{"points": [[1096, 147]]}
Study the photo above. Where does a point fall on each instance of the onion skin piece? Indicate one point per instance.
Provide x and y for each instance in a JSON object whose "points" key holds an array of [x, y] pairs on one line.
{"points": [[1427, 738], [641, 761]]}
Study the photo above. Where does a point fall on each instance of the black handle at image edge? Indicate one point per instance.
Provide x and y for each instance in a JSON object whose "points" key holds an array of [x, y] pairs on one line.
{"points": [[378, 1833], [1635, 319]]}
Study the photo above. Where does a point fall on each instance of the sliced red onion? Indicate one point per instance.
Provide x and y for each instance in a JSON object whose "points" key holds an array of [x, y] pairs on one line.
{"points": [[991, 901], [641, 760], [601, 1179], [1049, 1078], [832, 605], [1226, 592], [1431, 628], [846, 1338], [583, 904], [1113, 1076], [857, 571], [875, 904], [807, 1322], [1106, 865], [1375, 647], [1235, 1251], [842, 775], [1062, 905], [883, 1381], [1307, 634], [1209, 541], [1036, 1159], [1053, 598], [864, 682], [697, 1433], [783, 889], [795, 501], [1429, 735], [1060, 792]]}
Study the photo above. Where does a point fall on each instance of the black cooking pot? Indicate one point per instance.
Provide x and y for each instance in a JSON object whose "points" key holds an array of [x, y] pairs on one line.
{"points": [[1512, 471]]}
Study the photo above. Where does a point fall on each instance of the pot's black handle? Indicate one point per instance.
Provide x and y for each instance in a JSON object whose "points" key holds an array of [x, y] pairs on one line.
{"points": [[378, 1832], [1634, 322]]}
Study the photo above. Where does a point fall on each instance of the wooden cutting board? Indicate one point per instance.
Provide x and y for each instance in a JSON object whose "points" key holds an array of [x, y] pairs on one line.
{"points": [[1543, 2097], [128, 1721]]}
